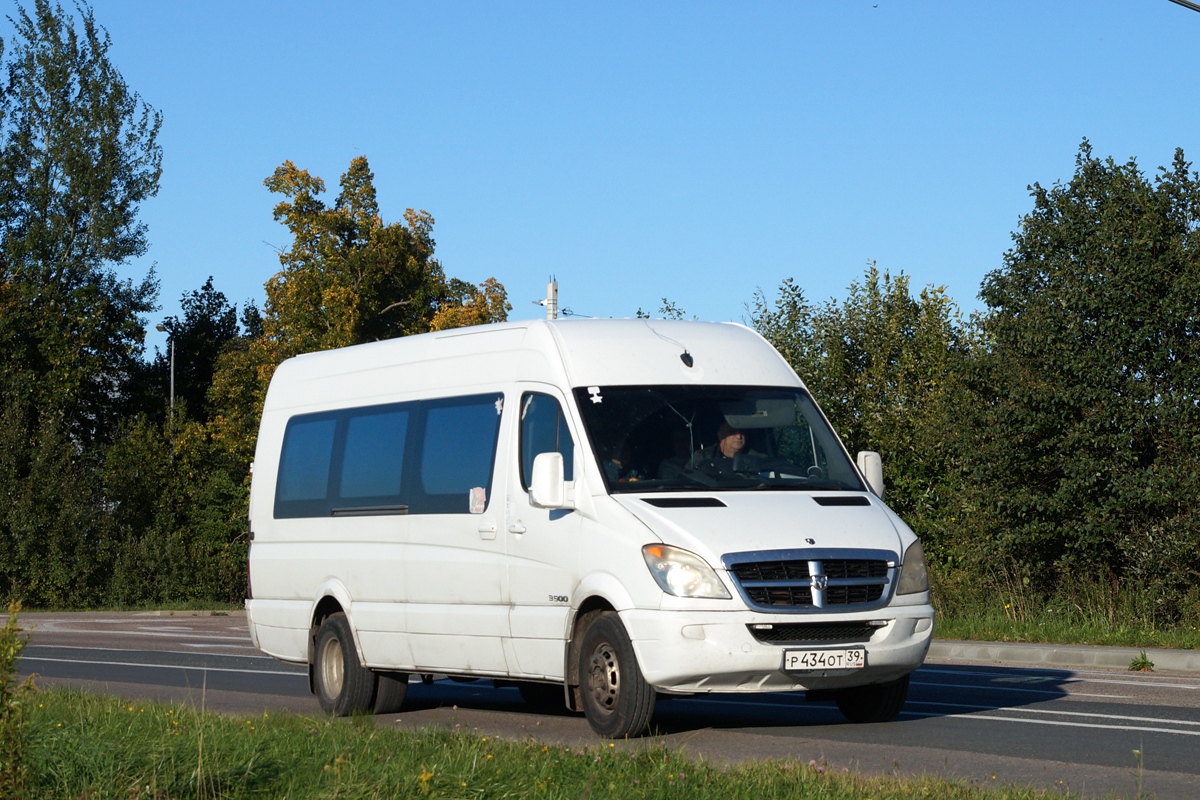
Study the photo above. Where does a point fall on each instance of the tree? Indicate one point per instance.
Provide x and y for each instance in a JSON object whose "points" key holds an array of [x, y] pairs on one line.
{"points": [[209, 325], [79, 155], [887, 368], [466, 305], [347, 278], [1087, 457]]}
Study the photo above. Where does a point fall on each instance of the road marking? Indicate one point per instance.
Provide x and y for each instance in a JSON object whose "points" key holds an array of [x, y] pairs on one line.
{"points": [[1061, 693], [1062, 713], [166, 628], [1125, 682], [212, 644], [153, 633], [166, 666], [1059, 723], [173, 652]]}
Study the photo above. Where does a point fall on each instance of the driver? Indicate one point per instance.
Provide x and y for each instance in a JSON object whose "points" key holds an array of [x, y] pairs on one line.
{"points": [[731, 442]]}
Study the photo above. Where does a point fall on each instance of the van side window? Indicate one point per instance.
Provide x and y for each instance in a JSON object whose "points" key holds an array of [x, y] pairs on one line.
{"points": [[544, 430], [458, 450], [303, 482], [373, 458]]}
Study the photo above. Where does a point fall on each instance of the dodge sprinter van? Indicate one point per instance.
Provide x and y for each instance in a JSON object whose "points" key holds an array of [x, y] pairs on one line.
{"points": [[595, 511]]}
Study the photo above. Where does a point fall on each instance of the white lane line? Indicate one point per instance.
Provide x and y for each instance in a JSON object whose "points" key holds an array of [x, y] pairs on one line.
{"points": [[1058, 723], [166, 666], [152, 633], [1058, 713], [1066, 680], [213, 644], [985, 688], [256, 653]]}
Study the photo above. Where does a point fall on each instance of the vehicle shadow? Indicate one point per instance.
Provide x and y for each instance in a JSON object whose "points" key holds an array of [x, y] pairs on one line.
{"points": [[936, 690]]}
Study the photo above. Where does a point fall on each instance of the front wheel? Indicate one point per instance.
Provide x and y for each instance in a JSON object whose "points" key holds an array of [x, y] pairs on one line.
{"points": [[617, 701], [879, 702], [343, 685]]}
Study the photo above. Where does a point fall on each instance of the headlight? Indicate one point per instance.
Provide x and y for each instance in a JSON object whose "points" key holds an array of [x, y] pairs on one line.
{"points": [[681, 573], [913, 575]]}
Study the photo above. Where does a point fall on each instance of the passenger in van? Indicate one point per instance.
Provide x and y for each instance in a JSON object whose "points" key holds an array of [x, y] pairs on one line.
{"points": [[619, 467], [680, 459]]}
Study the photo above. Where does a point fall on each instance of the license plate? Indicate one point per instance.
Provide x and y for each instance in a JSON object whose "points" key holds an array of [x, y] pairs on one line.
{"points": [[806, 660]]}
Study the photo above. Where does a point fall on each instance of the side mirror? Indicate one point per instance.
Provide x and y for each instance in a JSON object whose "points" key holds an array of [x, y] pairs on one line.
{"points": [[547, 486], [871, 466]]}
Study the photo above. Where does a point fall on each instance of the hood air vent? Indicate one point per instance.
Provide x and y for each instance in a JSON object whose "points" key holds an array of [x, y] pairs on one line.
{"points": [[684, 502], [852, 500]]}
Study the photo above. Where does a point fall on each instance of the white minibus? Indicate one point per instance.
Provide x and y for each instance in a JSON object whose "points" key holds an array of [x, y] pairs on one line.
{"points": [[597, 512]]}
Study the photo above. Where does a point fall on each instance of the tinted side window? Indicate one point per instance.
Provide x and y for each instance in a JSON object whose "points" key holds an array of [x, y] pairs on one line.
{"points": [[544, 430], [457, 452], [373, 458], [302, 486]]}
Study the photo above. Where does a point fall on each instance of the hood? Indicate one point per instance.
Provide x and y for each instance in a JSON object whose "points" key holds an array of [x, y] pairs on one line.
{"points": [[767, 521]]}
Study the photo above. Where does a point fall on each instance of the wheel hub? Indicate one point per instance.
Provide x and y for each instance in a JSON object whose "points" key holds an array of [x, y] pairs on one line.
{"points": [[332, 667], [604, 677]]}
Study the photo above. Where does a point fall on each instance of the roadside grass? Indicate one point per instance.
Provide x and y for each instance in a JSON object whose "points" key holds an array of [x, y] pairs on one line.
{"points": [[88, 746], [1046, 628], [183, 605], [1081, 610]]}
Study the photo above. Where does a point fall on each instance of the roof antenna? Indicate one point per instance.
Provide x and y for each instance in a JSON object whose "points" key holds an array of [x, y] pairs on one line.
{"points": [[551, 301], [685, 356]]}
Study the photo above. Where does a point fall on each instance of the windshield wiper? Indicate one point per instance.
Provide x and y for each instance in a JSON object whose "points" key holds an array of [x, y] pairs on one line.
{"points": [[806, 486]]}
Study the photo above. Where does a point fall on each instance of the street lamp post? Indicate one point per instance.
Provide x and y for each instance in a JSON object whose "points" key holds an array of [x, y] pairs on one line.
{"points": [[171, 338]]}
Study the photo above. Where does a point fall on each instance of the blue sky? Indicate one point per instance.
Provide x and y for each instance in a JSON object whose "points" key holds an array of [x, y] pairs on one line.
{"points": [[642, 150]]}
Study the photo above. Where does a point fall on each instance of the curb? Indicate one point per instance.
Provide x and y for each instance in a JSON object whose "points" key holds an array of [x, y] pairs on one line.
{"points": [[1064, 655]]}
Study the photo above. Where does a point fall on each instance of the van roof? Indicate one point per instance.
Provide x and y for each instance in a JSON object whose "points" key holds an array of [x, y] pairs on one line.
{"points": [[571, 352]]}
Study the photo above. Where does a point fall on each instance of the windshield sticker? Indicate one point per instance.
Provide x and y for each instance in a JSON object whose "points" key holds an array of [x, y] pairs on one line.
{"points": [[594, 391], [499, 405], [478, 500]]}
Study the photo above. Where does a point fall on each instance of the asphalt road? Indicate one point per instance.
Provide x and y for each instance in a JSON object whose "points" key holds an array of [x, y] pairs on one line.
{"points": [[988, 724]]}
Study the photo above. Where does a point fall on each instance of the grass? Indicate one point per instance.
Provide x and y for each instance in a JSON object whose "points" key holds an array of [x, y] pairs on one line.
{"points": [[183, 605], [94, 747], [1002, 607], [1049, 629]]}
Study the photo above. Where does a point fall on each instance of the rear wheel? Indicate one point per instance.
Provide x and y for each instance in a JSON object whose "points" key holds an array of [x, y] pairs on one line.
{"points": [[343, 685], [879, 702], [617, 701]]}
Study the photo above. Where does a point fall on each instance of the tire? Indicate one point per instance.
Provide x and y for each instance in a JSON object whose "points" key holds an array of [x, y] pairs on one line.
{"points": [[543, 695], [617, 701], [390, 692], [879, 702], [343, 685]]}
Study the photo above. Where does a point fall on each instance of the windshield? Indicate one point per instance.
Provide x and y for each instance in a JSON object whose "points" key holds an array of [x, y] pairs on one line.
{"points": [[673, 438]]}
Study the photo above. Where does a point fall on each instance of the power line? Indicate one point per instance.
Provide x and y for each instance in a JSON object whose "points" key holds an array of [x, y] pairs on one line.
{"points": [[1187, 4]]}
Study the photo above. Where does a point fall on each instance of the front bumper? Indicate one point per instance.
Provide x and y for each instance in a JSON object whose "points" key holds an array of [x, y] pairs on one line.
{"points": [[713, 651]]}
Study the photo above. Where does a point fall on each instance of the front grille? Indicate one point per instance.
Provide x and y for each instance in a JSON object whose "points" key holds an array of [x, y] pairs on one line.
{"points": [[783, 633], [847, 595], [771, 570], [780, 595], [854, 568], [808, 580]]}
